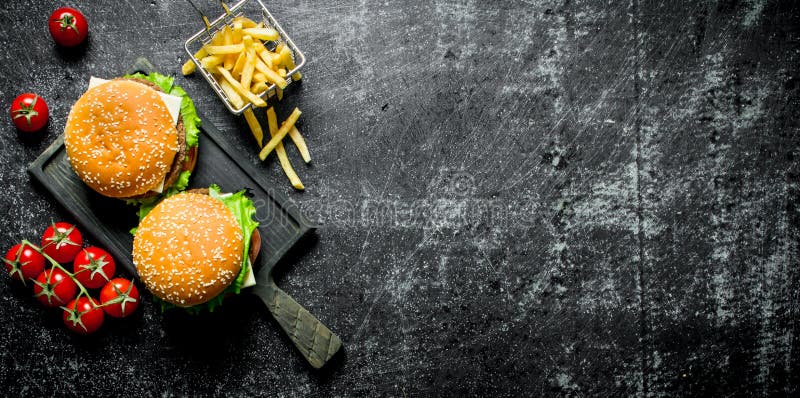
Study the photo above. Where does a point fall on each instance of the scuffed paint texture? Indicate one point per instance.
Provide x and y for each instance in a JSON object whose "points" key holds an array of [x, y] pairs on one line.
{"points": [[517, 198]]}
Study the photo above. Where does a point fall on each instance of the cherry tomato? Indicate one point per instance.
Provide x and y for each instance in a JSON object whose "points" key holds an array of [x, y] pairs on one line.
{"points": [[23, 263], [68, 26], [54, 288], [29, 112], [62, 241], [83, 315], [119, 297], [93, 267]]}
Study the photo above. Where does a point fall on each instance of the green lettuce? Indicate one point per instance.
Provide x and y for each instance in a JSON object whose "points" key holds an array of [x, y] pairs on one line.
{"points": [[243, 210], [191, 122]]}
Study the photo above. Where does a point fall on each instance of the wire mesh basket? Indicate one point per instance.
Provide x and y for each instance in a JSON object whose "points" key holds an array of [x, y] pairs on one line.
{"points": [[204, 36]]}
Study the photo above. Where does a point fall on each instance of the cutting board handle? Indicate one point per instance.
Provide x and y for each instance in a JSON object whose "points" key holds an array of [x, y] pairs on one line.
{"points": [[314, 340]]}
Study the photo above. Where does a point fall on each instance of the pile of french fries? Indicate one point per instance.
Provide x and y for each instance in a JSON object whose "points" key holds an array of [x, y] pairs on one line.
{"points": [[245, 68]]}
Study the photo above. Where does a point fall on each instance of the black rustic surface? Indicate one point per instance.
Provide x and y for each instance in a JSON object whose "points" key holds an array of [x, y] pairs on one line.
{"points": [[575, 198]]}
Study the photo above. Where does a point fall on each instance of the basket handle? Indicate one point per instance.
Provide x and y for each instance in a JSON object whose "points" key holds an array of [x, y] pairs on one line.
{"points": [[203, 16], [314, 340]]}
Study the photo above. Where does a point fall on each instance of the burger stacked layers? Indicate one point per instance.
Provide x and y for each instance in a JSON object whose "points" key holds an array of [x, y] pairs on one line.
{"points": [[193, 248], [123, 142]]}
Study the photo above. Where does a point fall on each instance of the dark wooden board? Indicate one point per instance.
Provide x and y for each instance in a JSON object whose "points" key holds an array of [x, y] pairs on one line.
{"points": [[109, 220]]}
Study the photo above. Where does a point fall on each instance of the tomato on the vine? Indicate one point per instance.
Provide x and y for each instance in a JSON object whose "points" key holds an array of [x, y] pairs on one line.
{"points": [[23, 262], [29, 112], [68, 26], [54, 287], [62, 241], [93, 267], [83, 315], [119, 297]]}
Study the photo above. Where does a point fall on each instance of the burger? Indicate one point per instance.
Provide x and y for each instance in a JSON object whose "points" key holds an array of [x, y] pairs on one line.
{"points": [[134, 137], [196, 247]]}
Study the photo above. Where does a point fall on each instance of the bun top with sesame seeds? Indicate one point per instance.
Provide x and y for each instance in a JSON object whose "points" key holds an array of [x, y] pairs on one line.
{"points": [[120, 139], [188, 249]]}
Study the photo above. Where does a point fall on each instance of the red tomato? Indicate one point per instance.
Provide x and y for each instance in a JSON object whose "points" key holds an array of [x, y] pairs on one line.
{"points": [[62, 241], [54, 288], [83, 315], [29, 112], [23, 263], [119, 297], [68, 26], [93, 267]]}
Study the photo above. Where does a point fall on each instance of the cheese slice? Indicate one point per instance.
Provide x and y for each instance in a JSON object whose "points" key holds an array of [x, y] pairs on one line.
{"points": [[172, 102]]}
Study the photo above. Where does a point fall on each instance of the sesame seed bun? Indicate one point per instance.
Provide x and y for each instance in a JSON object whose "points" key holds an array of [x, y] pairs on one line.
{"points": [[121, 141], [188, 249]]}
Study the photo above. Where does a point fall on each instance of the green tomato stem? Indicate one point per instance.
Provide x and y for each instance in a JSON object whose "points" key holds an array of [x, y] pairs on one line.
{"points": [[55, 264]]}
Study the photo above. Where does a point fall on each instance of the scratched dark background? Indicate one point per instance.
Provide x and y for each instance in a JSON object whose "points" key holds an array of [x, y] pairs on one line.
{"points": [[518, 198]]}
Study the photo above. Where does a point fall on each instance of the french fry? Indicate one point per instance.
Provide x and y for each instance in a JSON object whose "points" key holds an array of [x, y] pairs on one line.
{"points": [[272, 123], [279, 93], [278, 136], [265, 56], [210, 62], [288, 61], [241, 90], [189, 67], [276, 59], [255, 127], [270, 74], [233, 96], [230, 58], [267, 34], [247, 72], [259, 77], [237, 34], [259, 88], [246, 22], [282, 73], [231, 49], [218, 40], [236, 72], [247, 40], [300, 143], [286, 57]]}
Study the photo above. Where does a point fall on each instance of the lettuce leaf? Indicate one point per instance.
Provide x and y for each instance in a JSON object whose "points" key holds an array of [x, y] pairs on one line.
{"points": [[163, 82], [244, 210], [191, 122]]}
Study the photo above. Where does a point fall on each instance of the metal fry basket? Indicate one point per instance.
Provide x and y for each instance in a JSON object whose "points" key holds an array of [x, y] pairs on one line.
{"points": [[204, 36]]}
